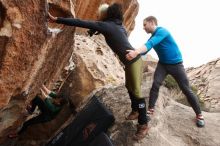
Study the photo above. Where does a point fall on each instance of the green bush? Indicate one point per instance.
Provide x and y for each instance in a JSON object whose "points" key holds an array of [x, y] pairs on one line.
{"points": [[171, 84]]}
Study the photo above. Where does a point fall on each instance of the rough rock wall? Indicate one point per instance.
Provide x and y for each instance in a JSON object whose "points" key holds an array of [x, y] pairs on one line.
{"points": [[16, 33], [150, 63], [30, 53], [86, 9], [207, 79], [95, 67]]}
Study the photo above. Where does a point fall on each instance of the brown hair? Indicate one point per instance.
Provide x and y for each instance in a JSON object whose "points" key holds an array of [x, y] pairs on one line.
{"points": [[115, 11], [151, 19]]}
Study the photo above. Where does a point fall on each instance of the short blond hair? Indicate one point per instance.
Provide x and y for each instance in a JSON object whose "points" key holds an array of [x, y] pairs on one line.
{"points": [[102, 10]]}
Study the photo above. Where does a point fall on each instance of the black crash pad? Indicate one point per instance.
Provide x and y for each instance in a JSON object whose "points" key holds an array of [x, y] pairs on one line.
{"points": [[89, 123]]}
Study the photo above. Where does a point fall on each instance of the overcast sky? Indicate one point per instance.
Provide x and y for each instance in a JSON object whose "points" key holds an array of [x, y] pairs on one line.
{"points": [[194, 24]]}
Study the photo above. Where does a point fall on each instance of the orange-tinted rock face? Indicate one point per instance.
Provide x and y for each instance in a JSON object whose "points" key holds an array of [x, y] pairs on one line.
{"points": [[34, 51], [87, 9], [30, 55], [26, 45]]}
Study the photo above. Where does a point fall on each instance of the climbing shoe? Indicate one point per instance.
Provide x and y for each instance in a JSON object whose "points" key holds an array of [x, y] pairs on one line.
{"points": [[200, 122]]}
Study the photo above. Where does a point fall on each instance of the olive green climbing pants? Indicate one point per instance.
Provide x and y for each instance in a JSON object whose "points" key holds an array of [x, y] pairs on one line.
{"points": [[133, 78]]}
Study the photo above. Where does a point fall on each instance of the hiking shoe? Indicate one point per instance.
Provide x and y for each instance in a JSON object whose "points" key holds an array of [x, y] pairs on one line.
{"points": [[13, 135], [200, 122], [142, 131], [132, 116], [150, 111]]}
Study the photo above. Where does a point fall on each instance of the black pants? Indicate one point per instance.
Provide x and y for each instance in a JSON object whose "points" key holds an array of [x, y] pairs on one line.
{"points": [[44, 116], [179, 74]]}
